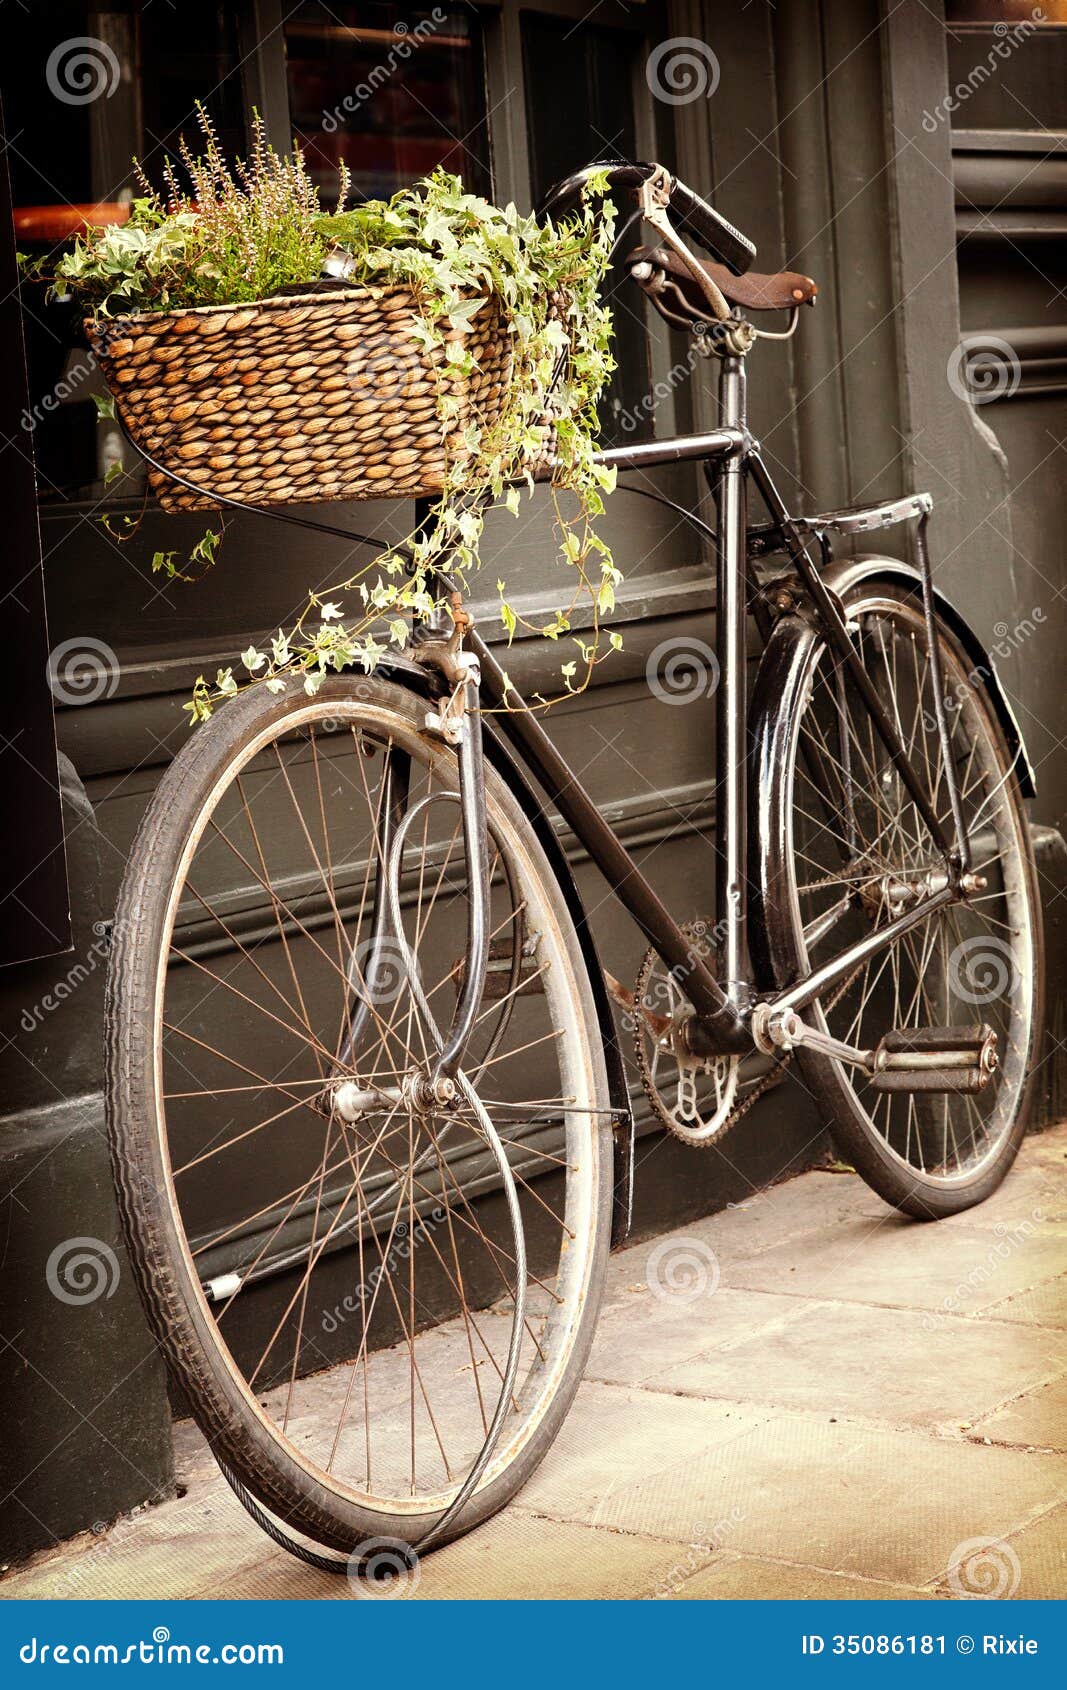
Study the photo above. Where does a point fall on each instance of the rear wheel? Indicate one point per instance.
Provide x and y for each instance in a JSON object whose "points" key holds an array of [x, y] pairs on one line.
{"points": [[332, 1273], [844, 849]]}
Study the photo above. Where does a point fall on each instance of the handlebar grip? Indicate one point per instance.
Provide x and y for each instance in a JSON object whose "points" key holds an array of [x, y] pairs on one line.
{"points": [[693, 216]]}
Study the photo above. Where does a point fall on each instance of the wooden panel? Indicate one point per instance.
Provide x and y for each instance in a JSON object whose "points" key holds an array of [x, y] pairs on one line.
{"points": [[34, 907], [1013, 312]]}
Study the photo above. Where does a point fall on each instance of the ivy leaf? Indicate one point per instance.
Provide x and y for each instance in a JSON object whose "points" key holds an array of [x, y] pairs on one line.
{"points": [[462, 313], [205, 548]]}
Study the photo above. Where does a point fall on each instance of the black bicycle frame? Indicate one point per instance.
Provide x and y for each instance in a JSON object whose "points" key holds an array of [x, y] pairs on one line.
{"points": [[722, 1005]]}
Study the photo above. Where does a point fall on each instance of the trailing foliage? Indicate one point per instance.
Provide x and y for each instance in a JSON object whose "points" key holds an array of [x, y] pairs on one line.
{"points": [[242, 234]]}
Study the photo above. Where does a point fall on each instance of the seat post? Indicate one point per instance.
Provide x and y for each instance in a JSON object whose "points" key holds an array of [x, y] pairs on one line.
{"points": [[727, 479]]}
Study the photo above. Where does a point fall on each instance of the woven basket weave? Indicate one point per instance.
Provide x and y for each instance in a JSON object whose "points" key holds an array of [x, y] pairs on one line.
{"points": [[318, 397]]}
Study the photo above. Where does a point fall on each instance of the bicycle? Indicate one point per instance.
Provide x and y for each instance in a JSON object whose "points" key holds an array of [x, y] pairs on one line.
{"points": [[415, 1121]]}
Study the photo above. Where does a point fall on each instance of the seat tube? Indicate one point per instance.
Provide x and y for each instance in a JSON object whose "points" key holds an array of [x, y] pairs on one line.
{"points": [[728, 481]]}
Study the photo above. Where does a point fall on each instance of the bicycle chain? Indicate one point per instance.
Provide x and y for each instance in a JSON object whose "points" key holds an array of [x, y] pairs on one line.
{"points": [[766, 1083]]}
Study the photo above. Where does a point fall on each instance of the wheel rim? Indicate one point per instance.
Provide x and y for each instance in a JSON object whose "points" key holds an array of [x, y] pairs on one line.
{"points": [[413, 1354], [975, 961]]}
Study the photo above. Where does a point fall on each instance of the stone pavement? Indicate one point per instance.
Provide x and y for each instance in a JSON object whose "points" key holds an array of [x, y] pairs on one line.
{"points": [[803, 1396]]}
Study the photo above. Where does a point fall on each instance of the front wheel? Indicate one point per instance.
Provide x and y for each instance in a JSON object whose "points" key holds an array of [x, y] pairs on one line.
{"points": [[325, 1253], [842, 848]]}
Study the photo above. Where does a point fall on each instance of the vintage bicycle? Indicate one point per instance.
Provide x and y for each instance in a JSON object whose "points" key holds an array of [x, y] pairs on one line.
{"points": [[414, 1114]]}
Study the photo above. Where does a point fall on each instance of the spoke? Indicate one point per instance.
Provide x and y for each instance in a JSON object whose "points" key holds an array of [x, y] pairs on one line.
{"points": [[307, 1038], [217, 1149]]}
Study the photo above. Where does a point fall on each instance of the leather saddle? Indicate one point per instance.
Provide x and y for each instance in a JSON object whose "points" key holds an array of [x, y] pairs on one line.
{"points": [[678, 298]]}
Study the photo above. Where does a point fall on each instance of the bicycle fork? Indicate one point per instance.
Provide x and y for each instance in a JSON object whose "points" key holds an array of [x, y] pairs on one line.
{"points": [[458, 722]]}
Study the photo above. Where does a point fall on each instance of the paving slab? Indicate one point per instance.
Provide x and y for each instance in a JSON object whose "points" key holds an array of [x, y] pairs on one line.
{"points": [[804, 1396], [846, 1498], [876, 1363], [779, 1215], [615, 1437], [641, 1335], [1045, 1305], [1037, 1419], [744, 1578], [1030, 1564], [901, 1263]]}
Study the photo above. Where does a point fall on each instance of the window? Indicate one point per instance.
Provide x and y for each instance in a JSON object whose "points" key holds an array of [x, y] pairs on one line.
{"points": [[393, 91], [579, 107], [68, 152]]}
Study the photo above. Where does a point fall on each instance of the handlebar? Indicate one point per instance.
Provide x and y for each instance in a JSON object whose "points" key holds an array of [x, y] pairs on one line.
{"points": [[693, 216]]}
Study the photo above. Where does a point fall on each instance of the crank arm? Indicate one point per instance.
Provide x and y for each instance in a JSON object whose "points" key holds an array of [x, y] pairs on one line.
{"points": [[919, 1059], [782, 1029]]}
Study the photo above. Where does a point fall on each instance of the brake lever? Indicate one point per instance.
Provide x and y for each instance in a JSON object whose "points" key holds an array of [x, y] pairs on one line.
{"points": [[653, 197]]}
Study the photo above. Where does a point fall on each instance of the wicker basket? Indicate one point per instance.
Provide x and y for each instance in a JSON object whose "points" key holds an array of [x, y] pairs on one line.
{"points": [[316, 397]]}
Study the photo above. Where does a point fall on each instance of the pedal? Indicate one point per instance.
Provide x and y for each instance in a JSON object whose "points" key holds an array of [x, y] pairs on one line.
{"points": [[936, 1059], [531, 981]]}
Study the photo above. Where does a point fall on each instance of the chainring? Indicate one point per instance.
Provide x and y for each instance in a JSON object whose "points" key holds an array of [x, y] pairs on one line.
{"points": [[697, 1114]]}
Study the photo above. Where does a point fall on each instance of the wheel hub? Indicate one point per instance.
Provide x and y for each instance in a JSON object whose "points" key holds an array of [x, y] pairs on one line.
{"points": [[421, 1092]]}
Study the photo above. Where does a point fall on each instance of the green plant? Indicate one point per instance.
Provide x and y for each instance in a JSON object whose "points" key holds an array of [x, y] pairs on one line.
{"points": [[245, 233], [236, 235]]}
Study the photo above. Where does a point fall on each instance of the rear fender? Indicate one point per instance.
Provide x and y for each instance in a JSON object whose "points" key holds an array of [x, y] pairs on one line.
{"points": [[843, 576], [776, 697]]}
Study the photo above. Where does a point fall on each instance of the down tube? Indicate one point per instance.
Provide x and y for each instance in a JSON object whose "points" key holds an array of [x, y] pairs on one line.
{"points": [[630, 886]]}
